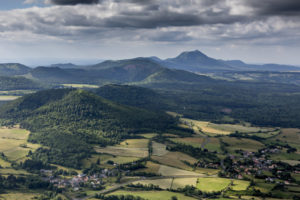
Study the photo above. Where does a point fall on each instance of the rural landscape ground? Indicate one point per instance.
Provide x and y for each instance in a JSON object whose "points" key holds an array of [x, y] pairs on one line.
{"points": [[137, 129]]}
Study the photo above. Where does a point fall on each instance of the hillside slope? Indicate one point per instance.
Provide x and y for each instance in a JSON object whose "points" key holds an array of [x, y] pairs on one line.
{"points": [[17, 83], [69, 121], [13, 69]]}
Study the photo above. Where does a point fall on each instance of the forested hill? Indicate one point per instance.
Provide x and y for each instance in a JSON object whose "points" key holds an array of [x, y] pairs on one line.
{"points": [[133, 96], [17, 83], [68, 121], [12, 69]]}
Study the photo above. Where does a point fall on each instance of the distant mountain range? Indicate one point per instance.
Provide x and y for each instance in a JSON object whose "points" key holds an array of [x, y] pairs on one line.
{"points": [[196, 61], [142, 71]]}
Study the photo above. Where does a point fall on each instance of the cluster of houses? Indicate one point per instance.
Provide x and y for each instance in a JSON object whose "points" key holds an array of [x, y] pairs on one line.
{"points": [[81, 180], [250, 163]]}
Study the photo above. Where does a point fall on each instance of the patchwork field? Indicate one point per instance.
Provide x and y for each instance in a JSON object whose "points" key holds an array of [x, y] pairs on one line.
{"points": [[242, 143], [14, 145], [175, 159], [212, 184], [290, 136], [153, 195], [212, 129], [151, 167], [159, 149]]}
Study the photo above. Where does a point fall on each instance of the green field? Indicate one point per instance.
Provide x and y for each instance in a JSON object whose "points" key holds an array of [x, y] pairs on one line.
{"points": [[182, 182], [153, 195], [14, 145], [240, 185], [134, 143], [17, 196], [193, 141], [213, 184]]}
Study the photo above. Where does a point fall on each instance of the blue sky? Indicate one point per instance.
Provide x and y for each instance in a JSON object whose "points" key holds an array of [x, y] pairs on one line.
{"points": [[38, 32]]}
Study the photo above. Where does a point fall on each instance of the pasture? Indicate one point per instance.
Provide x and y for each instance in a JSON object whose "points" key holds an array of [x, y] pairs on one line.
{"points": [[153, 195], [212, 184], [239, 185], [182, 182], [14, 145]]}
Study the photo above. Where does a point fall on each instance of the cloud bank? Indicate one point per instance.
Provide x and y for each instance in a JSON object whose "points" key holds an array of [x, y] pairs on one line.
{"points": [[205, 22]]}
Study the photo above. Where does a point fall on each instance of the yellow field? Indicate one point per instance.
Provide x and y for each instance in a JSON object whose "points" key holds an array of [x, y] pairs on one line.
{"points": [[14, 145], [4, 164], [134, 143], [148, 135], [205, 127], [212, 184], [240, 185], [8, 98], [80, 85], [182, 182]]}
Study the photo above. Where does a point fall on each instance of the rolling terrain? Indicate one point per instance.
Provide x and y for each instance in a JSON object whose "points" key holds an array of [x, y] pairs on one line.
{"points": [[146, 128]]}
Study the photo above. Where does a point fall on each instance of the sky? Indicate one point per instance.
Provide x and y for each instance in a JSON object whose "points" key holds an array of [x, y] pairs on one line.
{"points": [[40, 32]]}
